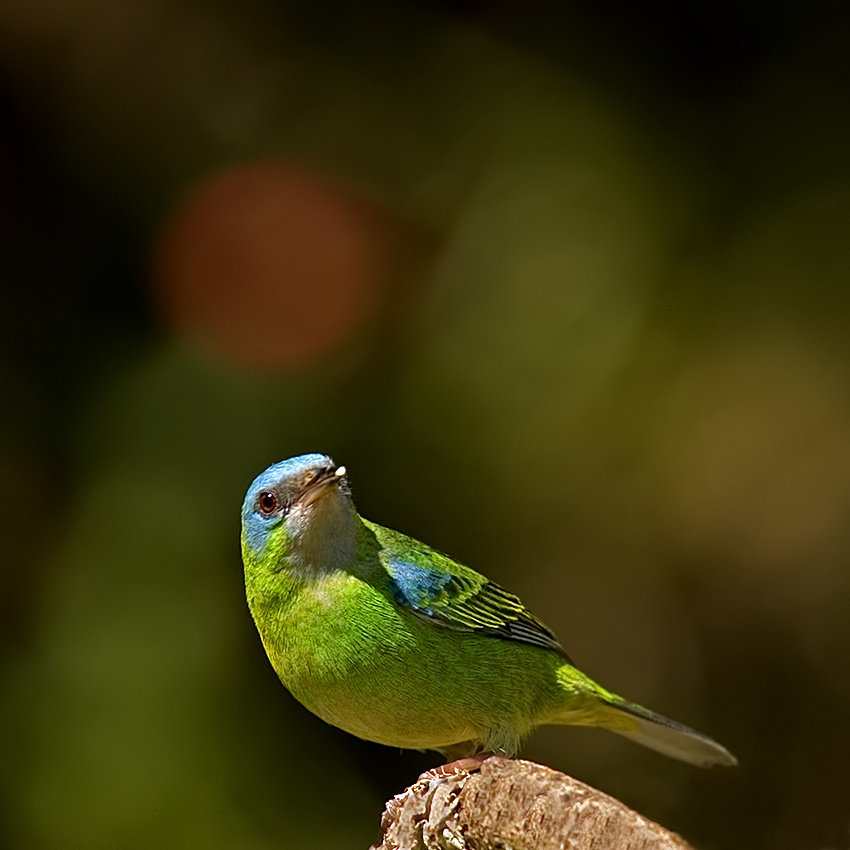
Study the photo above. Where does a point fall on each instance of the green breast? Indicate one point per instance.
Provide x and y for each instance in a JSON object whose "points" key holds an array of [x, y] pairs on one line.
{"points": [[346, 650]]}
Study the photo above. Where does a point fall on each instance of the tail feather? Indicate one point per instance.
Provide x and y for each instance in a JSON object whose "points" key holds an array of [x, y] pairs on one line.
{"points": [[663, 735]]}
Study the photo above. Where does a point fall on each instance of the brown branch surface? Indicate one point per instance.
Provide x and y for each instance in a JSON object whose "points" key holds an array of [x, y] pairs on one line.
{"points": [[505, 804]]}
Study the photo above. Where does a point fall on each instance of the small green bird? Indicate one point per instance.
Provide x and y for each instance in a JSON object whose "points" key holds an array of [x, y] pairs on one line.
{"points": [[396, 643]]}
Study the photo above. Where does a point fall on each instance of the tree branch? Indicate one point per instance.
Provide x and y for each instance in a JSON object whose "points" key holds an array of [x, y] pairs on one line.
{"points": [[505, 804]]}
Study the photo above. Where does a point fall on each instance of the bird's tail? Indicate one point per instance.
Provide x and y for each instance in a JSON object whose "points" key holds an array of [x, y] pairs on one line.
{"points": [[609, 711], [662, 734]]}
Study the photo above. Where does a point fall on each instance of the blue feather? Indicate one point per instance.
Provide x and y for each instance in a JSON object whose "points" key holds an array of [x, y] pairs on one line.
{"points": [[416, 587]]}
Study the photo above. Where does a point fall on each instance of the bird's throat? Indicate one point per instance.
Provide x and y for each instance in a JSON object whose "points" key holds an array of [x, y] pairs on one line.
{"points": [[323, 535]]}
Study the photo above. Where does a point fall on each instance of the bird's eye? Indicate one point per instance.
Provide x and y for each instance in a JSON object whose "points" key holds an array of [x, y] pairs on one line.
{"points": [[267, 502], [308, 477]]}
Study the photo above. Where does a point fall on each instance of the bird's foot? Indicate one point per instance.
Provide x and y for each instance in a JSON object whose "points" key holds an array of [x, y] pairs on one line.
{"points": [[469, 764]]}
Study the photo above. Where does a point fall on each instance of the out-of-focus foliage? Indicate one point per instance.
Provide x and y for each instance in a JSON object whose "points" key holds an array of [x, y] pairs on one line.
{"points": [[566, 289]]}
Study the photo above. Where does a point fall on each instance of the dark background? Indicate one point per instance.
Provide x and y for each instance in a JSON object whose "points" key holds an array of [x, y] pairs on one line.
{"points": [[565, 286]]}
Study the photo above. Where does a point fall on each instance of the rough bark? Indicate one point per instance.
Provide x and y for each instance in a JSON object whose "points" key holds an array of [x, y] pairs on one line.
{"points": [[504, 804]]}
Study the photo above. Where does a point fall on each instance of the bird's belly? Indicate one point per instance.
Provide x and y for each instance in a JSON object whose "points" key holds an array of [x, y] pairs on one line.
{"points": [[381, 673], [384, 722], [386, 703]]}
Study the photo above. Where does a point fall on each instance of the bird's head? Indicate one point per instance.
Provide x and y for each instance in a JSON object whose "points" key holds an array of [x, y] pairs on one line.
{"points": [[298, 515]]}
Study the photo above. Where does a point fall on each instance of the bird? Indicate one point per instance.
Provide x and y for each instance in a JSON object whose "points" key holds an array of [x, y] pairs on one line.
{"points": [[396, 643]]}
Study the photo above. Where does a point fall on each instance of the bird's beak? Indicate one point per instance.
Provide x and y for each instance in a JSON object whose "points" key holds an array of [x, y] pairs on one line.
{"points": [[324, 480]]}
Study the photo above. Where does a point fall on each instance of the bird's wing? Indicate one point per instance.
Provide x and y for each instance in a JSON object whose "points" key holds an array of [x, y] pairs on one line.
{"points": [[467, 602]]}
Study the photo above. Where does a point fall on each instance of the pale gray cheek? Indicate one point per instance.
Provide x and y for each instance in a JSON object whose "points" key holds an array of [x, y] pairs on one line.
{"points": [[295, 524]]}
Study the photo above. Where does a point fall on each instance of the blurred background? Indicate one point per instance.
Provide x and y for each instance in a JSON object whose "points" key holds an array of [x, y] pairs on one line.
{"points": [[564, 285]]}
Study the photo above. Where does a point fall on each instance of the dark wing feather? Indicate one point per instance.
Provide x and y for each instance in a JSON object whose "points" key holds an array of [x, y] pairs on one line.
{"points": [[468, 604]]}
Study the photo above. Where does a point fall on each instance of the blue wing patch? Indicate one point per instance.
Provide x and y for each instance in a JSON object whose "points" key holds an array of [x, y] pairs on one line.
{"points": [[467, 604], [419, 589]]}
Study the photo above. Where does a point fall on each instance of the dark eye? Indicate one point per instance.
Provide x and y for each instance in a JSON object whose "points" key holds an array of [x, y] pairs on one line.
{"points": [[267, 502]]}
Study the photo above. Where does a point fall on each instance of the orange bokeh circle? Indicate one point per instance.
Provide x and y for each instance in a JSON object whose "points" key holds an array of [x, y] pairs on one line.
{"points": [[270, 265]]}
